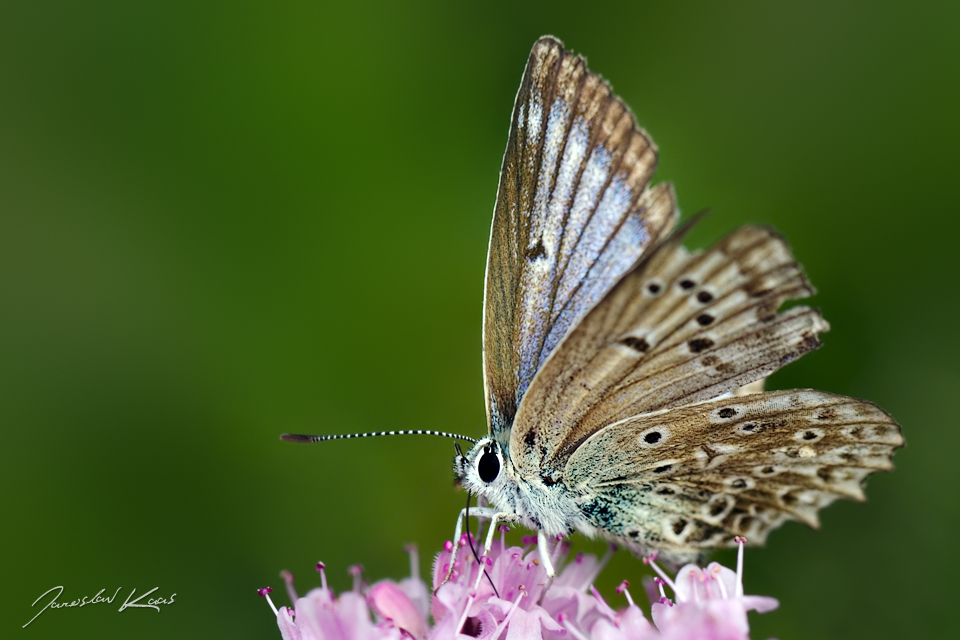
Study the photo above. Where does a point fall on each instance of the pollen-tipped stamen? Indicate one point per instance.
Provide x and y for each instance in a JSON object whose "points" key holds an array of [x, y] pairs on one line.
{"points": [[741, 541], [694, 575], [715, 574], [622, 589], [265, 592], [650, 560], [657, 580]]}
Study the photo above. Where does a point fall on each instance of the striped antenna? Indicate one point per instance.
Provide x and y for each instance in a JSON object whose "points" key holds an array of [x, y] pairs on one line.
{"points": [[293, 437]]}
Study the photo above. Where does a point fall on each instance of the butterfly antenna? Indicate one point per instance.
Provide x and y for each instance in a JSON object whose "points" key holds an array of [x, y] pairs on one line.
{"points": [[294, 437], [472, 548]]}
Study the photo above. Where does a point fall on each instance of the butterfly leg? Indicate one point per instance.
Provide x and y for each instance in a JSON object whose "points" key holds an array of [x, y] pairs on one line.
{"points": [[543, 548], [480, 512]]}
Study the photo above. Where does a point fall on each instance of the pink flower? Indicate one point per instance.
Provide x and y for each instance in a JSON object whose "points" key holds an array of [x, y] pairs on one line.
{"points": [[709, 603]]}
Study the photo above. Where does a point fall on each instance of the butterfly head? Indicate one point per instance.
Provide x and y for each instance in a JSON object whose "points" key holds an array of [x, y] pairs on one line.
{"points": [[483, 469]]}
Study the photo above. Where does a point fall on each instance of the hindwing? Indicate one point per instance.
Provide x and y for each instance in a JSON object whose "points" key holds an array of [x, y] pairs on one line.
{"points": [[693, 477]]}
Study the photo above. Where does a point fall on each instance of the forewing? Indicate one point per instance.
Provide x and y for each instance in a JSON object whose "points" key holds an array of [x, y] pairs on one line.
{"points": [[574, 212], [679, 328], [694, 477]]}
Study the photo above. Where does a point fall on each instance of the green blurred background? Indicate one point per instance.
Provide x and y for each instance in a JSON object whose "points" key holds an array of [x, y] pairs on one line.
{"points": [[223, 221]]}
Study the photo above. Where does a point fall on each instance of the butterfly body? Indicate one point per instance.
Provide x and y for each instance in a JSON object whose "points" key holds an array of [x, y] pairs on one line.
{"points": [[538, 503], [624, 373]]}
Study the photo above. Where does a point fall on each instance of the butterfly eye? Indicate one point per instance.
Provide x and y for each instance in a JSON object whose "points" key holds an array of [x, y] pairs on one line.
{"points": [[488, 466]]}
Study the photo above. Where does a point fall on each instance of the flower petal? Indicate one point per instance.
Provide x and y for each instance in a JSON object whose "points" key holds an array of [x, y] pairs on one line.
{"points": [[389, 601]]}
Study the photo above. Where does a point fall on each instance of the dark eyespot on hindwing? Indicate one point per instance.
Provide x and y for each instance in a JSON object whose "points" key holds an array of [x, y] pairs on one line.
{"points": [[704, 297], [704, 319], [687, 283]]}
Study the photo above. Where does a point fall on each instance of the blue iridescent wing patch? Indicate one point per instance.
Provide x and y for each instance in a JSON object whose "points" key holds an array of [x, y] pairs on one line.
{"points": [[574, 212]]}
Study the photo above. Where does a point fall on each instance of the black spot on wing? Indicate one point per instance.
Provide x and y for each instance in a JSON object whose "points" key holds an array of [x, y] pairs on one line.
{"points": [[537, 251], [639, 344], [530, 439], [699, 344], [704, 319]]}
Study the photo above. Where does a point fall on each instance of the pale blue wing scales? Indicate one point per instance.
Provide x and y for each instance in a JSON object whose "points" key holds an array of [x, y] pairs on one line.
{"points": [[574, 211]]}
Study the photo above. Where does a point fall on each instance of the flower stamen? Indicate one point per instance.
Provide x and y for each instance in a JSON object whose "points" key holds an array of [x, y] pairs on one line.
{"points": [[562, 619], [741, 541], [650, 560], [715, 570], [265, 592], [513, 608], [622, 589], [323, 575], [356, 571], [411, 550], [288, 580], [463, 617], [607, 611]]}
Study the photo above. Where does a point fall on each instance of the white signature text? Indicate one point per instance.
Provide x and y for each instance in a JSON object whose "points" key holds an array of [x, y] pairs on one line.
{"points": [[129, 603]]}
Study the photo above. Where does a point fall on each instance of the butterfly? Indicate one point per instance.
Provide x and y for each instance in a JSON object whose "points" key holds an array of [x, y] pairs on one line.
{"points": [[623, 373]]}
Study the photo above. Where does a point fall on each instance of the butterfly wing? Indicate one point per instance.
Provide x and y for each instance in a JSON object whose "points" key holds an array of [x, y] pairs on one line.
{"points": [[691, 478], [574, 211], [679, 328]]}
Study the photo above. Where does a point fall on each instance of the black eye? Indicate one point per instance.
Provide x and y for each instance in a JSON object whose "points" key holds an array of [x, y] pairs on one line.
{"points": [[489, 466]]}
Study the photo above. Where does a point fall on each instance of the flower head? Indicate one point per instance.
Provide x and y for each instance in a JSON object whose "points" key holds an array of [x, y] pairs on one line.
{"points": [[507, 593]]}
